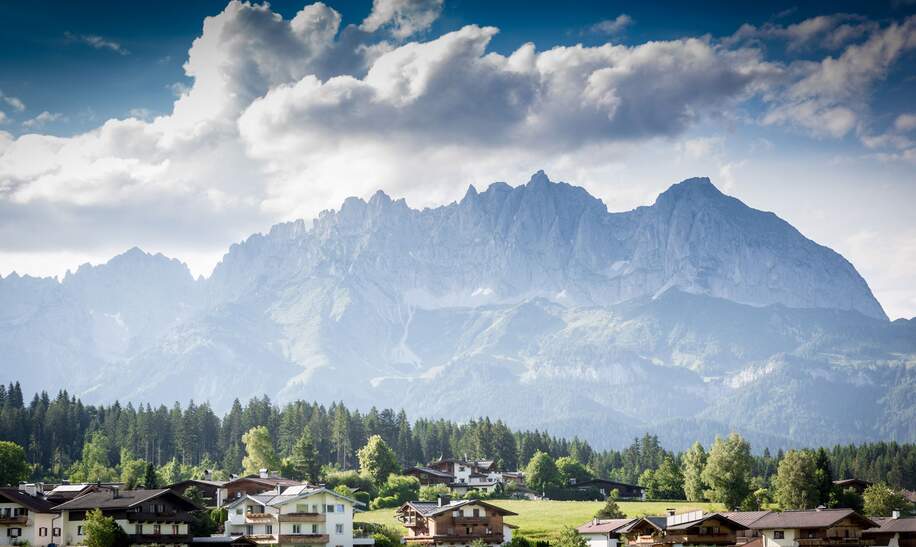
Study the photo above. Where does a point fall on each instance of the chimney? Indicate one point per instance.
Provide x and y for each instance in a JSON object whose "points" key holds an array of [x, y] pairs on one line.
{"points": [[670, 511], [895, 514], [208, 475], [444, 499], [29, 488], [262, 473], [115, 492]]}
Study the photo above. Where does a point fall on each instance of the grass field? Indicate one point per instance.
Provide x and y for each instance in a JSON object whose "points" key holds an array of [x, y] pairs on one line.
{"points": [[544, 519]]}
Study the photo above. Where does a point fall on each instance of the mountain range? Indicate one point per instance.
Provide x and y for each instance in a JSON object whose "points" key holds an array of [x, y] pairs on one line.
{"points": [[691, 317]]}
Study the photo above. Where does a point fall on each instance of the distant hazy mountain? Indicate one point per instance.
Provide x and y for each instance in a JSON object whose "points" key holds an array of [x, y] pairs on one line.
{"points": [[690, 317]]}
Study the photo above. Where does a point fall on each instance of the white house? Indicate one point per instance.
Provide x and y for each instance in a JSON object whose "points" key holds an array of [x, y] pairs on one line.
{"points": [[603, 532], [148, 517], [25, 518], [300, 515]]}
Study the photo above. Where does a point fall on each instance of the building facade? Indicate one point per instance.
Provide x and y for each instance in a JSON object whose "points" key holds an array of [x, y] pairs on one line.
{"points": [[148, 517], [454, 523], [26, 518], [300, 515]]}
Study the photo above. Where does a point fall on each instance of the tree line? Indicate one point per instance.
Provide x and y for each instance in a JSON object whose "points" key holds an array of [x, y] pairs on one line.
{"points": [[63, 438]]}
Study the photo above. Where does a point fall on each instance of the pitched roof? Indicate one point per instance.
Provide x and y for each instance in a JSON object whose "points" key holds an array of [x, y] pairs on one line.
{"points": [[33, 503], [602, 526], [745, 518], [893, 525], [656, 522], [704, 518], [198, 481], [808, 519], [287, 496], [106, 499], [430, 508], [430, 471]]}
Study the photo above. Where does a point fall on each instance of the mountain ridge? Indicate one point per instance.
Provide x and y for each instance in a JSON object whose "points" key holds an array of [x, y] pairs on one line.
{"points": [[533, 303]]}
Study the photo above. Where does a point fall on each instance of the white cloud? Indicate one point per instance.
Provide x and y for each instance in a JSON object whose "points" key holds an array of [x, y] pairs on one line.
{"points": [[284, 118], [3, 118], [905, 122], [13, 102], [612, 26], [97, 42], [42, 120], [404, 17]]}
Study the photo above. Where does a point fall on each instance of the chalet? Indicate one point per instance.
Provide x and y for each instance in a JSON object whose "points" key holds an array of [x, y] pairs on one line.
{"points": [[250, 485], [300, 515], [148, 517], [606, 486], [603, 532], [893, 532], [454, 523], [26, 518], [694, 528], [747, 519], [461, 476], [429, 476], [856, 484], [211, 491], [820, 528]]}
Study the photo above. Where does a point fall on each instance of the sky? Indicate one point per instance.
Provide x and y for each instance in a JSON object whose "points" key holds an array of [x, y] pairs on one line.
{"points": [[183, 127]]}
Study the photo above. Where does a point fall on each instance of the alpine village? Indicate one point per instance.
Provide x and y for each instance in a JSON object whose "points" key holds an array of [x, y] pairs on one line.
{"points": [[310, 475]]}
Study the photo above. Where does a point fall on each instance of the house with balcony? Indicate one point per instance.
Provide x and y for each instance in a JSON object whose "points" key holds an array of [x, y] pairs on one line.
{"points": [[603, 532], [817, 528], [454, 523], [463, 476], [263, 482], [26, 518], [694, 528], [893, 531], [299, 515], [148, 517]]}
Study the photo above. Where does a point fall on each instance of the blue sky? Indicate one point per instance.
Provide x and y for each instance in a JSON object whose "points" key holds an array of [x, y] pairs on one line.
{"points": [[115, 131]]}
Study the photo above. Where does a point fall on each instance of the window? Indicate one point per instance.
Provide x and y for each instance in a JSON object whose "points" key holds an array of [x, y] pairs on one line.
{"points": [[79, 530], [156, 529], [297, 529], [238, 511], [329, 508], [779, 534], [302, 508], [14, 532], [338, 529], [314, 528], [249, 530], [314, 508], [174, 529], [42, 532], [812, 534], [715, 529], [476, 513], [138, 529], [468, 530], [269, 529], [340, 508], [55, 532]]}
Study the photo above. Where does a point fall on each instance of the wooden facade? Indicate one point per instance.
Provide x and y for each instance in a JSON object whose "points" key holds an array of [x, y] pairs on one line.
{"points": [[458, 523]]}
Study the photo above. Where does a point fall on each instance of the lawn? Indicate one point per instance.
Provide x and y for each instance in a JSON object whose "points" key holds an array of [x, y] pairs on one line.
{"points": [[544, 519]]}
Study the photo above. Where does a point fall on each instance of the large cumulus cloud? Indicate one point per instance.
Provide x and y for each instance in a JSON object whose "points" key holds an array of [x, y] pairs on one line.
{"points": [[287, 117]]}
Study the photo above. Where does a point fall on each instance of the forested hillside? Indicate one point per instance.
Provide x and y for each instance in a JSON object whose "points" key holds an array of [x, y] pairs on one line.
{"points": [[55, 431]]}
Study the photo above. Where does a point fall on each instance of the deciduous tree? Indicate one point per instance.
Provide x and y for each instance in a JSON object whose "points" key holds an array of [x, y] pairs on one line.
{"points": [[727, 471]]}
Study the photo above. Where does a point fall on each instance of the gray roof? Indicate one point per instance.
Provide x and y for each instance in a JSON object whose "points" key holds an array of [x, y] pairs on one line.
{"points": [[808, 519], [892, 525], [106, 499], [33, 503], [746, 517], [432, 471], [603, 526], [704, 518], [430, 508]]}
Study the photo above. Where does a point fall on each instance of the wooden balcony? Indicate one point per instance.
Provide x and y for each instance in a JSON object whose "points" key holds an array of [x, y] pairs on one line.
{"points": [[471, 520], [304, 539], [159, 539], [258, 518], [451, 538], [266, 539], [9, 519], [303, 517], [831, 542], [167, 517]]}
